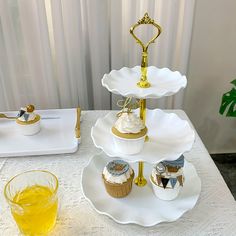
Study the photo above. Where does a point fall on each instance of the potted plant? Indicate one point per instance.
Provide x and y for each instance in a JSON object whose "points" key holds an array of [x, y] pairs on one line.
{"points": [[228, 103]]}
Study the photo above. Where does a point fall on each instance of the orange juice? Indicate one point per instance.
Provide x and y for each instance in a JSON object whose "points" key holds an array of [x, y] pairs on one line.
{"points": [[38, 210]]}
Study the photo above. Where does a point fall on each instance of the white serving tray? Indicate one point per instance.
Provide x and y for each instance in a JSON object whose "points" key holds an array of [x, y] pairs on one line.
{"points": [[164, 82], [56, 135], [140, 206], [169, 137]]}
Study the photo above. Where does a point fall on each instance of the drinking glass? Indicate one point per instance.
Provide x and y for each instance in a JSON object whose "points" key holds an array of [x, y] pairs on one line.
{"points": [[33, 200]]}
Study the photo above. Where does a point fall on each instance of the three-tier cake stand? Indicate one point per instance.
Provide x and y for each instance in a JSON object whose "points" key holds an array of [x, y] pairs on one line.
{"points": [[168, 138]]}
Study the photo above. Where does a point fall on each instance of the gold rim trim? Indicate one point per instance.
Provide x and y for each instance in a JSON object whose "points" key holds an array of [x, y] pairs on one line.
{"points": [[140, 134], [36, 119]]}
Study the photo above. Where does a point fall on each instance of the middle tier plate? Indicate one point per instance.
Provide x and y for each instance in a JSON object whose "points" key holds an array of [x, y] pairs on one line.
{"points": [[169, 137]]}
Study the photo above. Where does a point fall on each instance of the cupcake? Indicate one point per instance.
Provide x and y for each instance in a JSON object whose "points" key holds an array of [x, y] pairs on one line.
{"points": [[167, 178], [28, 122], [118, 178], [129, 133]]}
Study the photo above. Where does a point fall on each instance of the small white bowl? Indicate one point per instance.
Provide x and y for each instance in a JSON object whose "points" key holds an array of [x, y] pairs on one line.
{"points": [[128, 146], [166, 194], [29, 129]]}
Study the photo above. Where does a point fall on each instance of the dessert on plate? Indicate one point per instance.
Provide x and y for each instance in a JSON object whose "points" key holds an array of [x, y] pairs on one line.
{"points": [[118, 178], [129, 132], [28, 122], [167, 178]]}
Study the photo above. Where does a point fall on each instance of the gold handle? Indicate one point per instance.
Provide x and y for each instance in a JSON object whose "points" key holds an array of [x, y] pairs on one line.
{"points": [[77, 126], [143, 83], [7, 117]]}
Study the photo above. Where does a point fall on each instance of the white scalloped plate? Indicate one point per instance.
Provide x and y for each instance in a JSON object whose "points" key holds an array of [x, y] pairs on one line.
{"points": [[164, 82], [169, 137], [140, 206]]}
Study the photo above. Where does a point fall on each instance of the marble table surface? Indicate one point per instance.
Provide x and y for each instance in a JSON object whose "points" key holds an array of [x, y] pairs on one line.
{"points": [[214, 213]]}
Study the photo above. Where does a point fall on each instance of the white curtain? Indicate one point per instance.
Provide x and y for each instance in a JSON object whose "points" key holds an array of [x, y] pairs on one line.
{"points": [[54, 53]]}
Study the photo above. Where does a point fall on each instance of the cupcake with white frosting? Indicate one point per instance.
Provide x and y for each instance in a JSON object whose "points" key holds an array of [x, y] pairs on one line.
{"points": [[118, 178], [28, 122], [129, 133], [167, 178]]}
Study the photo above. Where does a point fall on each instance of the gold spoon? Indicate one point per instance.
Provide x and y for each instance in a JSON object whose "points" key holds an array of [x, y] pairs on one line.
{"points": [[3, 116], [30, 108], [7, 117]]}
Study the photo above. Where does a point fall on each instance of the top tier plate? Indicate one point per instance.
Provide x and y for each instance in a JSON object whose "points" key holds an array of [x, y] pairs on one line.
{"points": [[164, 82]]}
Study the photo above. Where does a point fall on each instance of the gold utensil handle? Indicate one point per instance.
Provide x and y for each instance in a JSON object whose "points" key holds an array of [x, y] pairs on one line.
{"points": [[7, 117], [3, 116], [77, 126]]}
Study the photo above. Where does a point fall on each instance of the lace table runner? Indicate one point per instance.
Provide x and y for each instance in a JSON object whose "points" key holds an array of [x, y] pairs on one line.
{"points": [[214, 213]]}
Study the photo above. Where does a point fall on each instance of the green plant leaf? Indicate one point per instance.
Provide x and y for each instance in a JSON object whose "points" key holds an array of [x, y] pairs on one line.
{"points": [[232, 109], [229, 101], [233, 82]]}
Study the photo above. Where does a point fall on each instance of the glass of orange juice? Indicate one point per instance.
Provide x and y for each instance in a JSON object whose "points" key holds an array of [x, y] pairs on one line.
{"points": [[33, 199]]}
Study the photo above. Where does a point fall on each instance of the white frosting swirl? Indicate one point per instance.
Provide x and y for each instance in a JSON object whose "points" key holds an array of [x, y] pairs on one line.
{"points": [[129, 123], [117, 179]]}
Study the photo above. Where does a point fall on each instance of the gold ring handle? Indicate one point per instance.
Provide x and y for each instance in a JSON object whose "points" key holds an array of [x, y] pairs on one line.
{"points": [[146, 20], [143, 83]]}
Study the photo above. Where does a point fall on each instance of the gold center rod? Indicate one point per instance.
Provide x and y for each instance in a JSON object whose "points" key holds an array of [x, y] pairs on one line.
{"points": [[140, 180]]}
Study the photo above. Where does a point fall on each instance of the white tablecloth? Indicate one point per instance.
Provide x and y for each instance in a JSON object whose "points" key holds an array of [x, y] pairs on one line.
{"points": [[214, 213]]}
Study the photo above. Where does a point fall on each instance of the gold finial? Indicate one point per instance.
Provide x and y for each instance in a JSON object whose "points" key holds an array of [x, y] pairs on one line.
{"points": [[146, 19], [143, 83], [30, 108]]}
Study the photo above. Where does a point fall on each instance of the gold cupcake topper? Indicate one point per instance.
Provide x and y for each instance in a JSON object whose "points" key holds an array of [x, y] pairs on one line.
{"points": [[30, 108], [25, 112], [127, 106], [143, 83], [119, 167]]}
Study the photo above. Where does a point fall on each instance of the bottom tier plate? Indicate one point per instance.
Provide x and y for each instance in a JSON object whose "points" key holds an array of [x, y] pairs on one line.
{"points": [[140, 206]]}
